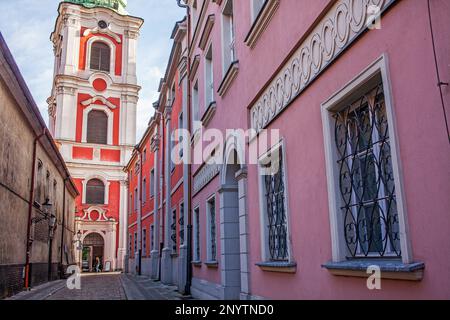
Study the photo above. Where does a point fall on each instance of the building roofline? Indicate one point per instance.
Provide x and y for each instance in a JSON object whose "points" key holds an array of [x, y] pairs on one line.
{"points": [[16, 84]]}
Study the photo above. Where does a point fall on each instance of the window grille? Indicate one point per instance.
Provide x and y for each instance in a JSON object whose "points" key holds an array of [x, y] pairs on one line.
{"points": [[366, 178]]}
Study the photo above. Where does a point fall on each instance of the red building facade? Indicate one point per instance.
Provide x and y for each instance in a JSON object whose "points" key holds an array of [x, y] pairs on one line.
{"points": [[93, 118]]}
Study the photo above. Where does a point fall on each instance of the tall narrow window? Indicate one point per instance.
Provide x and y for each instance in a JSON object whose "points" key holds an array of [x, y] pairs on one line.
{"points": [[173, 228], [47, 187], [197, 253], [100, 57], [194, 15], [130, 246], [257, 6], [38, 191], [275, 209], [367, 186], [136, 199], [195, 113], [180, 136], [209, 77], [144, 190], [135, 243], [144, 242], [228, 47], [212, 239], [130, 205], [97, 127], [152, 183], [181, 223], [95, 192], [152, 237]]}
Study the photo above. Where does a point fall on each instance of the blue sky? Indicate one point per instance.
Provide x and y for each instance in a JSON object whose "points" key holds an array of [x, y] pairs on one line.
{"points": [[26, 25]]}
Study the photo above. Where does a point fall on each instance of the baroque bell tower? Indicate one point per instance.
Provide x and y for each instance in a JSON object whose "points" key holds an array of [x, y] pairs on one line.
{"points": [[92, 112]]}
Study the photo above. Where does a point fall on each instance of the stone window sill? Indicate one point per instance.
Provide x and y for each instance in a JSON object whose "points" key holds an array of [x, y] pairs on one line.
{"points": [[230, 75], [390, 269], [282, 267], [197, 264], [212, 264], [209, 113]]}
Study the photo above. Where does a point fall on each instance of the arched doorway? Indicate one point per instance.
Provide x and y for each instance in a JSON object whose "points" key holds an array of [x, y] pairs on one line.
{"points": [[230, 237], [93, 247]]}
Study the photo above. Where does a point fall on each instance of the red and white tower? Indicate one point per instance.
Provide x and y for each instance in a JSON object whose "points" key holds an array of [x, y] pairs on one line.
{"points": [[92, 113]]}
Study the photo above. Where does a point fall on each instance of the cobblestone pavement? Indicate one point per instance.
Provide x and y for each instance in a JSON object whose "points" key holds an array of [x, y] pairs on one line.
{"points": [[94, 287], [108, 286]]}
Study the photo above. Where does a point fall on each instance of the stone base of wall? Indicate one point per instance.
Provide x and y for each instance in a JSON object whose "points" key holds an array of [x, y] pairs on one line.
{"points": [[11, 280], [39, 273], [205, 290], [146, 267]]}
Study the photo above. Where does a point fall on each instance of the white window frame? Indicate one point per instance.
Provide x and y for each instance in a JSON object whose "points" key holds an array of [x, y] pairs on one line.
{"points": [[209, 257], [112, 47], [197, 242], [329, 107], [228, 37], [265, 253], [195, 105], [110, 116], [209, 77], [101, 178]]}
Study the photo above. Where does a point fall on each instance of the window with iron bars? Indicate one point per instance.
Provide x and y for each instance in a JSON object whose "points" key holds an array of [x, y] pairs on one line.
{"points": [[197, 253], [277, 234], [181, 223], [212, 230], [366, 178], [173, 228]]}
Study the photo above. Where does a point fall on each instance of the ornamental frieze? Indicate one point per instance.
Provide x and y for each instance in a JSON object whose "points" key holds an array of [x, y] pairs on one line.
{"points": [[205, 175], [345, 21]]}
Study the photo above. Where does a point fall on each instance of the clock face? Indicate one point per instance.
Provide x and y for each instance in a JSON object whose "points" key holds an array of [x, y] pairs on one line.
{"points": [[102, 24]]}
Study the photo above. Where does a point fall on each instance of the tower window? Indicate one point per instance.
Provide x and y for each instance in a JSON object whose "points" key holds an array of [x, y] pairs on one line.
{"points": [[100, 57], [97, 127], [95, 192]]}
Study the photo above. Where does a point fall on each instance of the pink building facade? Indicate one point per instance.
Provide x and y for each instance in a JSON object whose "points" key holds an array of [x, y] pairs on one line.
{"points": [[355, 174]]}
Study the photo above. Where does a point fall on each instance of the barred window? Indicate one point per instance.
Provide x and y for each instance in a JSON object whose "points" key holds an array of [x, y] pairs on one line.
{"points": [[181, 223], [197, 256], [95, 192], [97, 127], [173, 228], [152, 237], [144, 242], [366, 178], [212, 240], [152, 183], [100, 57], [275, 208]]}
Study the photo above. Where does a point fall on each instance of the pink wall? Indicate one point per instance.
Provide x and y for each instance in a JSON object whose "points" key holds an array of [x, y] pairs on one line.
{"points": [[405, 39]]}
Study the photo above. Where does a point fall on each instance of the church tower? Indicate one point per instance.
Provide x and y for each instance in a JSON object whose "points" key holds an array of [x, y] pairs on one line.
{"points": [[92, 112]]}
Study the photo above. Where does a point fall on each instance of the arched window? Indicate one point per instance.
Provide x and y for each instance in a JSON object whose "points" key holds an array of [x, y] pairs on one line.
{"points": [[97, 127], [95, 192], [100, 56]]}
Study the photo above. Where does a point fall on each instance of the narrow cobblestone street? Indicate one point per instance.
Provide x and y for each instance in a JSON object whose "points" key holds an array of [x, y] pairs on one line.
{"points": [[108, 286]]}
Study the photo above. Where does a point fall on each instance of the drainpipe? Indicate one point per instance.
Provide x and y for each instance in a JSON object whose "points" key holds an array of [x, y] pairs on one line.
{"points": [[139, 271], [30, 211], [161, 193], [187, 289], [63, 229]]}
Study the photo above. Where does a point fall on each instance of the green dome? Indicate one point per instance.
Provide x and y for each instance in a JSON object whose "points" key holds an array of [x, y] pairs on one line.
{"points": [[116, 5]]}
